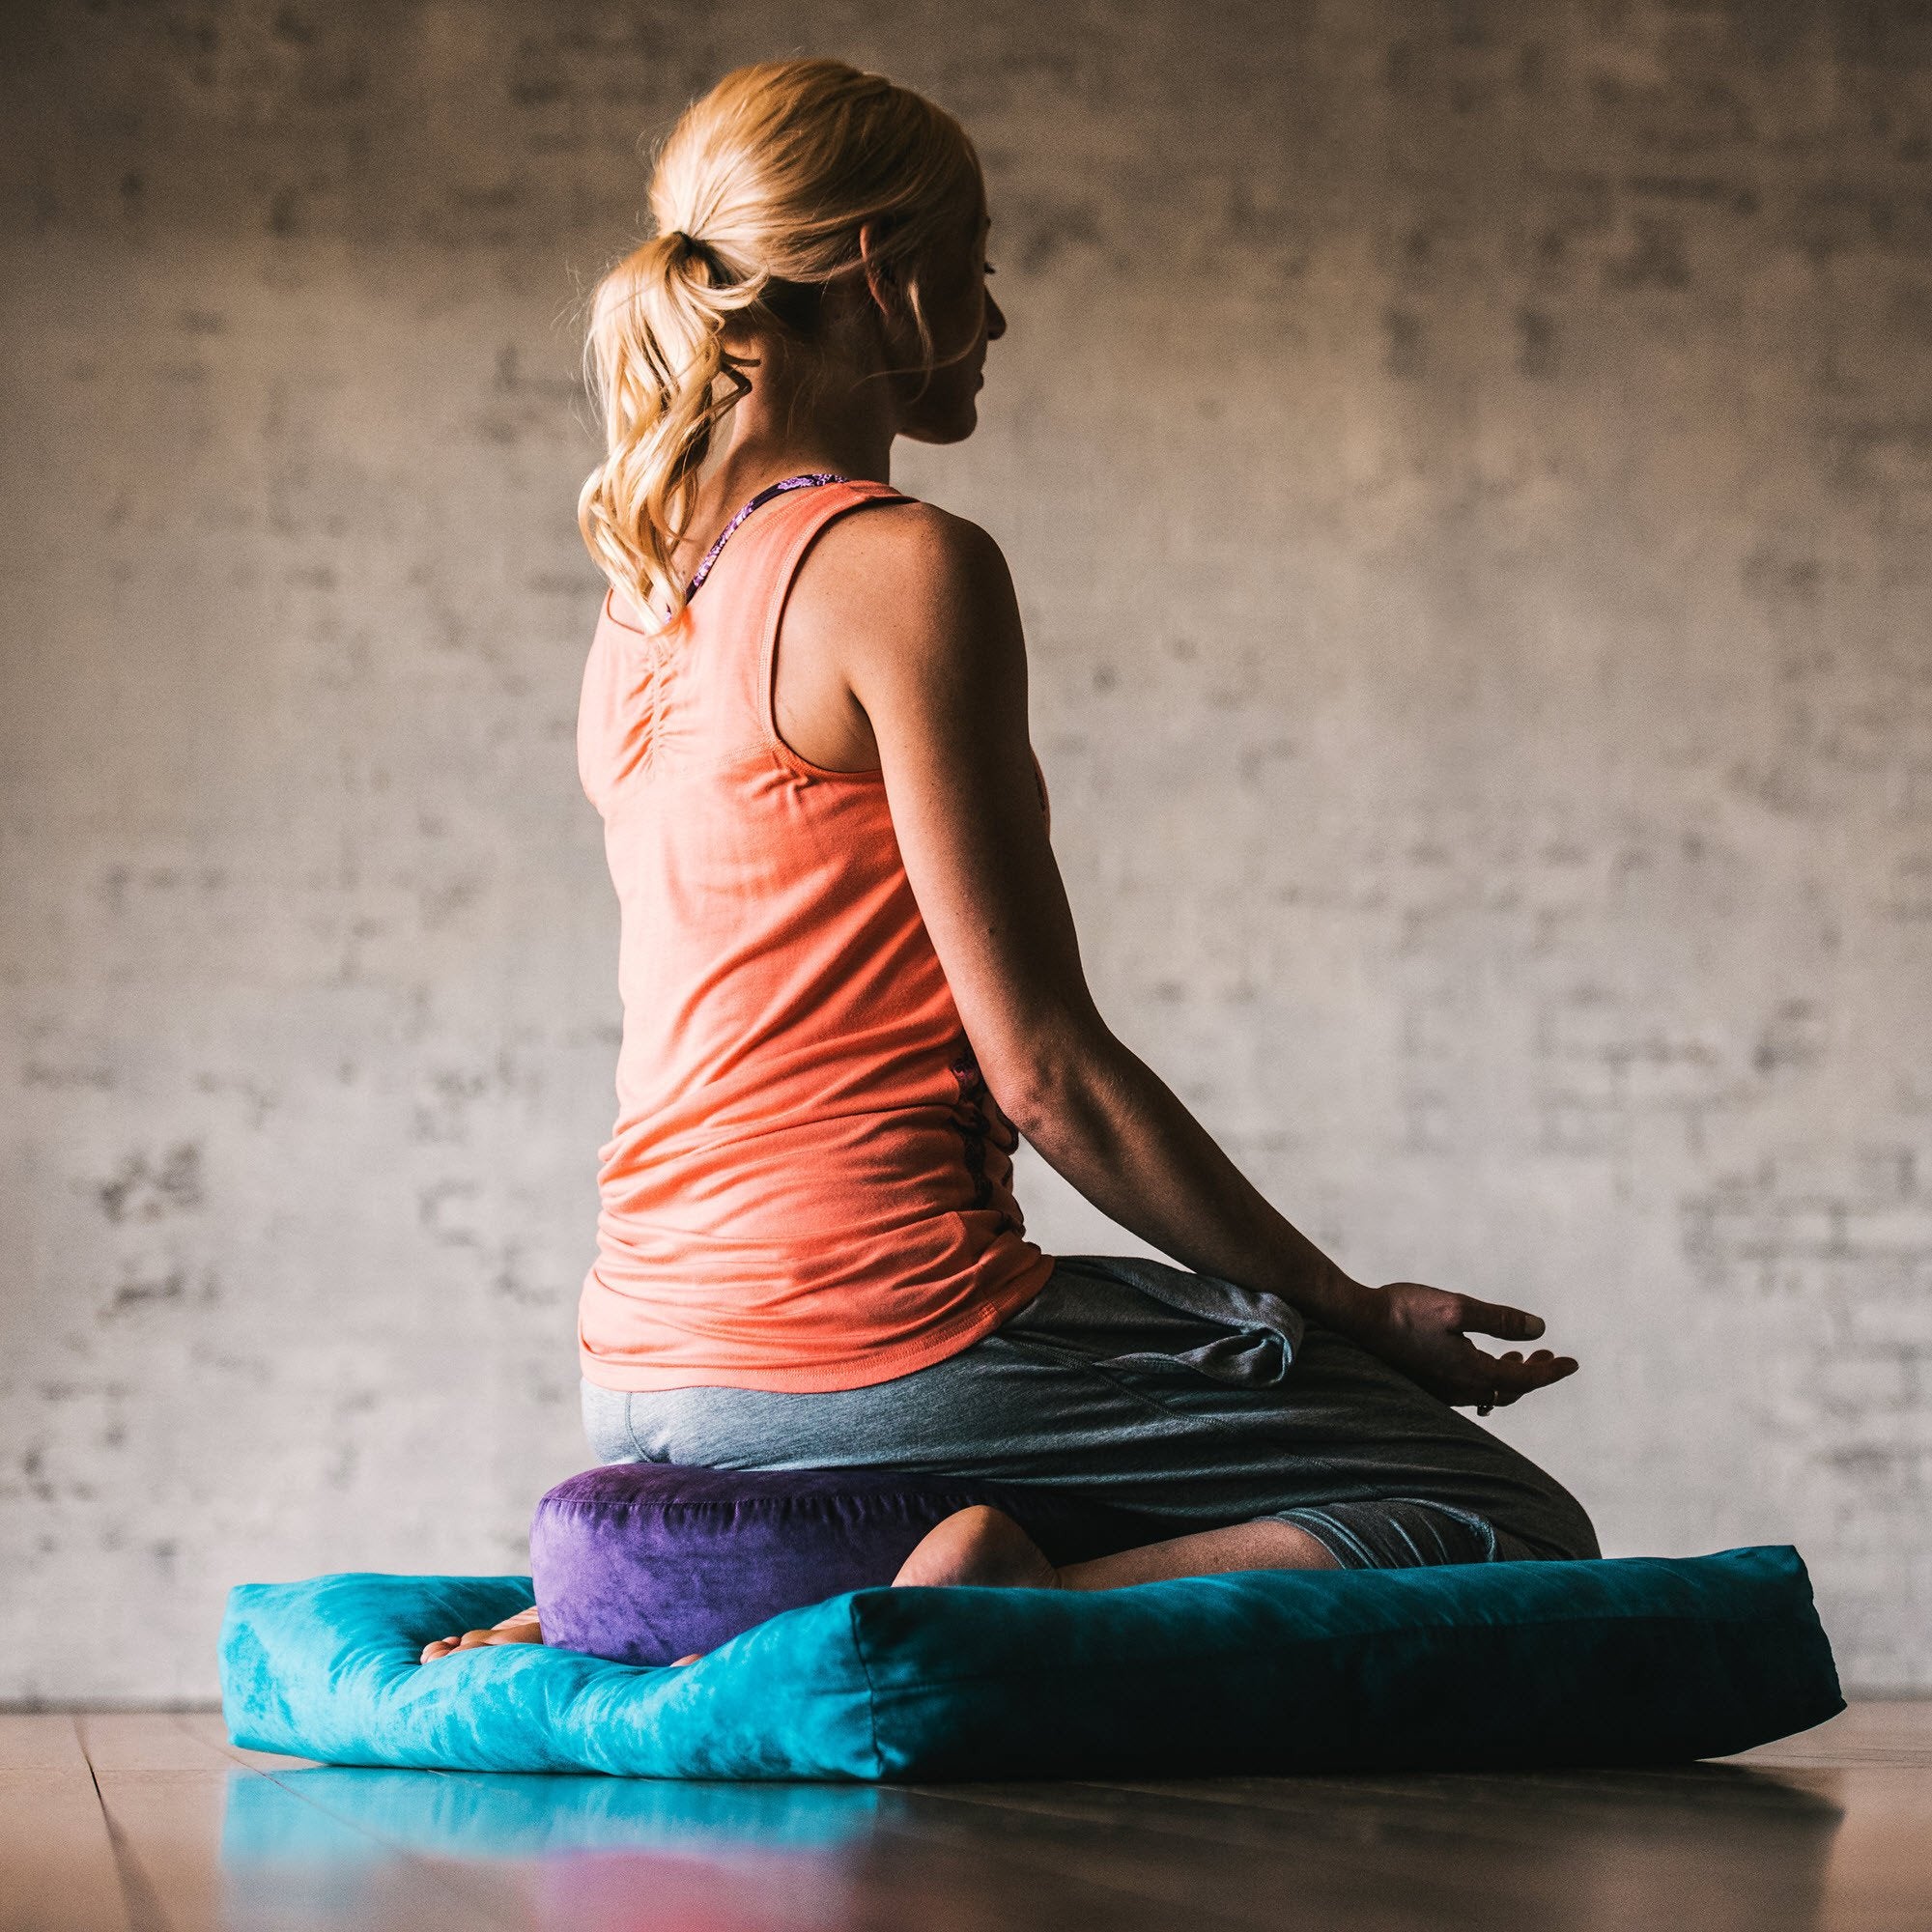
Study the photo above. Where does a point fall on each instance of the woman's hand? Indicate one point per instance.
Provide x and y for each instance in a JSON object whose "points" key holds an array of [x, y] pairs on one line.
{"points": [[1424, 1332], [520, 1629]]}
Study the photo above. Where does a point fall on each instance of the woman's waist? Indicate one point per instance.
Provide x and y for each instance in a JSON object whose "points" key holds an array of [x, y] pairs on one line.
{"points": [[663, 1307], [709, 1137], [733, 1063], [800, 1180]]}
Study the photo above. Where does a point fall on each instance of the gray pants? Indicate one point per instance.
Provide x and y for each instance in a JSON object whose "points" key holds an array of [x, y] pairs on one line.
{"points": [[1176, 1395]]}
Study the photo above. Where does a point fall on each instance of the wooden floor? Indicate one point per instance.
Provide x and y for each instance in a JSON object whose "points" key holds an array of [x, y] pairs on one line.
{"points": [[158, 1824]]}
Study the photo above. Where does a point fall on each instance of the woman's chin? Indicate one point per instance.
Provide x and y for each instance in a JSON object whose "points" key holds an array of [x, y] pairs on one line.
{"points": [[955, 425]]}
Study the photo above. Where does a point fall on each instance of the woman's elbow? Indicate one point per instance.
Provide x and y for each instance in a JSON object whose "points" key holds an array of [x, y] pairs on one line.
{"points": [[1049, 1086]]}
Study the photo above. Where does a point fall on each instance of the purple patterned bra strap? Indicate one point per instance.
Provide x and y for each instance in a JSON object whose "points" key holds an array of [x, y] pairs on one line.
{"points": [[802, 482]]}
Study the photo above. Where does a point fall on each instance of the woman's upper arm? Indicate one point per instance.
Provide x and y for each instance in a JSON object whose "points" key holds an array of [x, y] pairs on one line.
{"points": [[930, 642]]}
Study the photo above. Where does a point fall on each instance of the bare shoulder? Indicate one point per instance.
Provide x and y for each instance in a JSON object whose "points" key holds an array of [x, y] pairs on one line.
{"points": [[911, 541], [903, 573]]}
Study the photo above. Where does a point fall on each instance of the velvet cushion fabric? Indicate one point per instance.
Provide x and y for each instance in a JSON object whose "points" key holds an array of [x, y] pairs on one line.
{"points": [[647, 1562], [1638, 1661]]}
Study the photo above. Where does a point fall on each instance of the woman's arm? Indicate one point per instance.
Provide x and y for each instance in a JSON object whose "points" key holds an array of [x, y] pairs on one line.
{"points": [[919, 608]]}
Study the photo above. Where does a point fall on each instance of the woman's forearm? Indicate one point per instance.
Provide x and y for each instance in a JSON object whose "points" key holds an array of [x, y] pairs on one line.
{"points": [[1117, 1131]]}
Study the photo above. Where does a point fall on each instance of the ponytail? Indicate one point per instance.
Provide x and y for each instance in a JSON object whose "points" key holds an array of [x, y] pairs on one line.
{"points": [[759, 193], [658, 367]]}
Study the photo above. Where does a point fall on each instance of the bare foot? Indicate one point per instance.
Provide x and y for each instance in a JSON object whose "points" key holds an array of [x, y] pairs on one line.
{"points": [[980, 1546], [520, 1629]]}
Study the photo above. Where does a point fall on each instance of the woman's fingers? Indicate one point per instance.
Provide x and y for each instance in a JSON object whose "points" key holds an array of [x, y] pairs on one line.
{"points": [[1492, 1318], [1512, 1376], [1426, 1333]]}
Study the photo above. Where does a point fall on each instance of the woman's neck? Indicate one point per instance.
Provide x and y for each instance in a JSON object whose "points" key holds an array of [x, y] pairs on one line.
{"points": [[772, 433]]}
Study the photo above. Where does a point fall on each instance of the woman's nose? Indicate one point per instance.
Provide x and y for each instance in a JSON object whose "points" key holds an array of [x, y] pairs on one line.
{"points": [[996, 320]]}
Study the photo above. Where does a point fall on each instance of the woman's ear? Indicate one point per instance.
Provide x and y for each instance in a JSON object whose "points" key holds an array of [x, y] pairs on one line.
{"points": [[882, 281]]}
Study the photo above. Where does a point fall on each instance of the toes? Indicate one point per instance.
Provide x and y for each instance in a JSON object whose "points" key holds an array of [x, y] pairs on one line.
{"points": [[514, 1629]]}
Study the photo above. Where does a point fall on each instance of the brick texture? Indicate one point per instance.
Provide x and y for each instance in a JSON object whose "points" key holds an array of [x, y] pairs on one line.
{"points": [[1469, 472]]}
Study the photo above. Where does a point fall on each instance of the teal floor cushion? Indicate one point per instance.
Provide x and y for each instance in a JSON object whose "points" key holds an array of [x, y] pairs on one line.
{"points": [[1638, 1660]]}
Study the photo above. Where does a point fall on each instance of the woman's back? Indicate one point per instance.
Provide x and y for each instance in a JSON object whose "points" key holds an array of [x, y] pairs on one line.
{"points": [[807, 1192], [807, 1185]]}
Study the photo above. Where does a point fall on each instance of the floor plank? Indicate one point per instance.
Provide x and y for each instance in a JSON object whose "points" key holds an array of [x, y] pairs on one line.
{"points": [[580, 1853], [57, 1866], [261, 1827], [212, 1728], [181, 1806], [1880, 1731], [1880, 1875], [1826, 1832], [1720, 1849]]}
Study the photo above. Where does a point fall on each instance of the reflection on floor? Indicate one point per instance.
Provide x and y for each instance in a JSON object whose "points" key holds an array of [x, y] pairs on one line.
{"points": [[156, 1824]]}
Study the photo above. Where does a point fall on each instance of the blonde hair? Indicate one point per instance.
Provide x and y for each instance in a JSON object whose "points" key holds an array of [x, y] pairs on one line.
{"points": [[758, 194]]}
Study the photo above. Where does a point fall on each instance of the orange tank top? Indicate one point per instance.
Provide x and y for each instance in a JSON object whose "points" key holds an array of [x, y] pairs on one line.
{"points": [[807, 1185]]}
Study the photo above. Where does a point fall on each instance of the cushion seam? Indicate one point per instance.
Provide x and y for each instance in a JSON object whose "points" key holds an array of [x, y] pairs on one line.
{"points": [[872, 1688], [774, 1505]]}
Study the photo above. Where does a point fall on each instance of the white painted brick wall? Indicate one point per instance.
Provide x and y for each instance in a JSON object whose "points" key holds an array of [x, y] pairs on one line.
{"points": [[1469, 483]]}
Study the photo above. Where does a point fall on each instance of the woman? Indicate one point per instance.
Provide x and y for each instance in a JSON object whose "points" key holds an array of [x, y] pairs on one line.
{"points": [[850, 976]]}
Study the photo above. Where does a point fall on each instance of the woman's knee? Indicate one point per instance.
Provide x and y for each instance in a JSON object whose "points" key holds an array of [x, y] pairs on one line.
{"points": [[1562, 1531], [1398, 1533]]}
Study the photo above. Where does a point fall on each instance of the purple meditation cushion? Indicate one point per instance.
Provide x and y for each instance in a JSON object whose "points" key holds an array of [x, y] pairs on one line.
{"points": [[645, 1562]]}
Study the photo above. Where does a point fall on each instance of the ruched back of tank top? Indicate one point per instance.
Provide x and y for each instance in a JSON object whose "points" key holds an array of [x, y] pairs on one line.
{"points": [[807, 1185]]}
